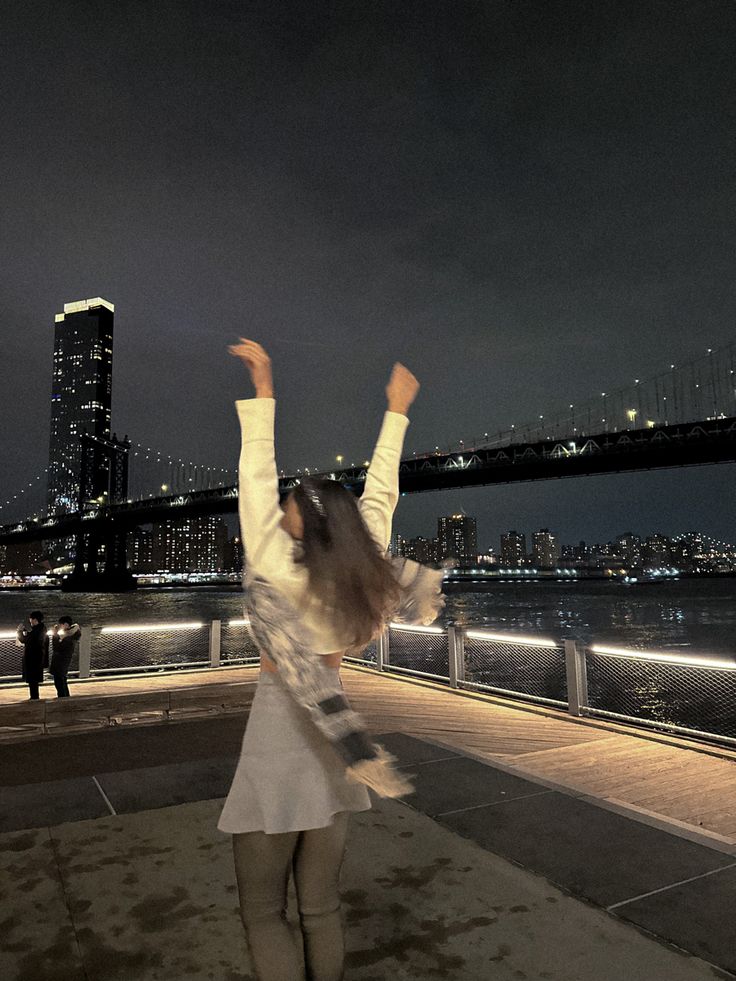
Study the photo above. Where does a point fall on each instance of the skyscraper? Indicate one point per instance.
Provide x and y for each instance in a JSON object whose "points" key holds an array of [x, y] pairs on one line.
{"points": [[545, 549], [457, 538], [81, 393], [192, 545], [140, 550], [513, 549]]}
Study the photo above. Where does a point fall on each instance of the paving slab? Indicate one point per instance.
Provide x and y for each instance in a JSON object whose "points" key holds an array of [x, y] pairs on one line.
{"points": [[591, 852], [37, 941], [458, 783], [698, 915], [37, 805], [408, 750], [102, 751], [152, 897], [163, 786]]}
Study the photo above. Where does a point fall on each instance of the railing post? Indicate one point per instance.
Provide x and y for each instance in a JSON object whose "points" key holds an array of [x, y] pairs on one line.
{"points": [[85, 652], [456, 651], [382, 650], [215, 632], [577, 678]]}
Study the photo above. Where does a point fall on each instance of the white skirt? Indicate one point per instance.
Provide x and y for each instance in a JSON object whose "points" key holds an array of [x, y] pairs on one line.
{"points": [[288, 776]]}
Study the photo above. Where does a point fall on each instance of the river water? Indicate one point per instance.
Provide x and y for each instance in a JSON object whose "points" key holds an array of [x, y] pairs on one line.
{"points": [[685, 615]]}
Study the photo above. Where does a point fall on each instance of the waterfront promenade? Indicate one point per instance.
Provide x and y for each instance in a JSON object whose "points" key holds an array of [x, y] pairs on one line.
{"points": [[532, 845]]}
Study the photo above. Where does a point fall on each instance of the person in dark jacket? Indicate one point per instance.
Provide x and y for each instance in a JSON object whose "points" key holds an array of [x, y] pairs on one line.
{"points": [[64, 639], [35, 643]]}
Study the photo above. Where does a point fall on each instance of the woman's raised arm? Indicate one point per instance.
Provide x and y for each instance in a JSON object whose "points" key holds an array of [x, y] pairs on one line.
{"points": [[381, 492], [268, 548]]}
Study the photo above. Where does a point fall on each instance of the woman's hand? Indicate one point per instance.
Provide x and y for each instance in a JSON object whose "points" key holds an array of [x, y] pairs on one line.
{"points": [[258, 363], [401, 390]]}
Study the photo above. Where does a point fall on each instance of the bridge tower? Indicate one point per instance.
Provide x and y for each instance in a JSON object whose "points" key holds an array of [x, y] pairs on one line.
{"points": [[103, 480]]}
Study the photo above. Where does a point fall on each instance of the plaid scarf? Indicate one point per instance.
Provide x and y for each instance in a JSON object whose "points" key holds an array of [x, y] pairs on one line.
{"points": [[278, 633]]}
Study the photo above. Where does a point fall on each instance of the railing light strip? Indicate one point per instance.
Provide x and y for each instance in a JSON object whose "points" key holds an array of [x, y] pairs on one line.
{"points": [[693, 662], [238, 623], [511, 639], [7, 634], [145, 628], [419, 630]]}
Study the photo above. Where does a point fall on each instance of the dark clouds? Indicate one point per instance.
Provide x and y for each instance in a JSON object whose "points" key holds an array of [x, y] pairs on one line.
{"points": [[529, 202]]}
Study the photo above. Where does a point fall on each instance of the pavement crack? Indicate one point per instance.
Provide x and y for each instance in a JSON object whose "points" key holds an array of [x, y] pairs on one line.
{"points": [[67, 903]]}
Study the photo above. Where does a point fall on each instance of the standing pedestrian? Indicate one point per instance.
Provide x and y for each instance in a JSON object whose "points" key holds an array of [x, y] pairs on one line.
{"points": [[64, 639], [35, 643], [318, 584]]}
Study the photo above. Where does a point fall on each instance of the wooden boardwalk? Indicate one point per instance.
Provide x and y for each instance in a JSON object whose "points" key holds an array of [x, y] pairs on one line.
{"points": [[678, 779], [682, 780]]}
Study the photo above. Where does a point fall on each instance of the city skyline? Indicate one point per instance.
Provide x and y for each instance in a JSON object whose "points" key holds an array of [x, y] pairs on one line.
{"points": [[488, 193], [525, 539]]}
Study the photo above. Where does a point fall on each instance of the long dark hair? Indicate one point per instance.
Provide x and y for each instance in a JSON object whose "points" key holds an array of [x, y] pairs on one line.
{"points": [[347, 573]]}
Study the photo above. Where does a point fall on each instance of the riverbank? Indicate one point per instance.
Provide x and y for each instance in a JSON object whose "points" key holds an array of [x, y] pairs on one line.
{"points": [[458, 579]]}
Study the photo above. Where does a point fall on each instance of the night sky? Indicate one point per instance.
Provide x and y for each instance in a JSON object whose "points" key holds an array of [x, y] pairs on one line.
{"points": [[526, 202]]}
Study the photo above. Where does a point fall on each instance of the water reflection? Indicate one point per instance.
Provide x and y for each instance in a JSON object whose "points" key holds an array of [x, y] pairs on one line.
{"points": [[696, 615]]}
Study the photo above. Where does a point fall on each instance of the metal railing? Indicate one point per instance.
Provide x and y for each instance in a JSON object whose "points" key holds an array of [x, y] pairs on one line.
{"points": [[695, 696], [146, 648]]}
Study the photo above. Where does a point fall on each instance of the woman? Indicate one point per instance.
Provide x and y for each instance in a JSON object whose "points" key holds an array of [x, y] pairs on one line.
{"points": [[290, 798]]}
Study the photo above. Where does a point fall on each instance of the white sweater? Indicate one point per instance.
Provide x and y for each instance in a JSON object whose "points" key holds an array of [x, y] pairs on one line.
{"points": [[269, 550]]}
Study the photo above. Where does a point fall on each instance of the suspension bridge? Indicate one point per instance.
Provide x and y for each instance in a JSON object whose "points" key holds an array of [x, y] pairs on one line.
{"points": [[683, 416]]}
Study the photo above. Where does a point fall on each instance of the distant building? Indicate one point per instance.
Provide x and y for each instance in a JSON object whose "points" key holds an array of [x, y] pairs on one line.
{"points": [[545, 549], [81, 393], [420, 549], [397, 544], [234, 554], [25, 559], [488, 558], [140, 550], [693, 553], [628, 547], [581, 551], [513, 550], [575, 556], [656, 552], [457, 538], [602, 556], [193, 545]]}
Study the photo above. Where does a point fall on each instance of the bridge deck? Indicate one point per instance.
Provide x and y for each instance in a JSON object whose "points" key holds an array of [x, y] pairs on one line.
{"points": [[673, 778]]}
